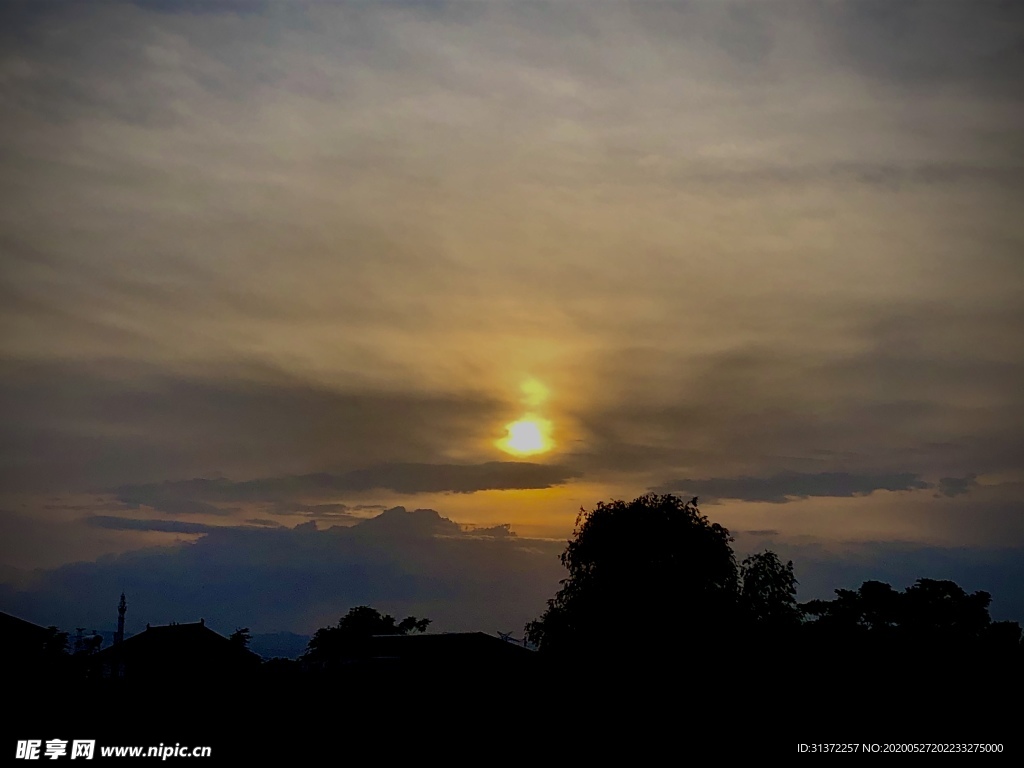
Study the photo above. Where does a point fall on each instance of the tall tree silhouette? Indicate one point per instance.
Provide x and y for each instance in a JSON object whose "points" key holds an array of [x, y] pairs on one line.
{"points": [[648, 572]]}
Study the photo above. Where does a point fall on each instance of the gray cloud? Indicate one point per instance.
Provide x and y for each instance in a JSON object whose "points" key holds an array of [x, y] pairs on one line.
{"points": [[920, 44], [891, 177], [492, 532], [457, 478], [187, 496], [115, 523], [787, 486], [957, 486], [263, 522], [67, 424], [331, 511], [913, 389], [160, 499], [133, 524]]}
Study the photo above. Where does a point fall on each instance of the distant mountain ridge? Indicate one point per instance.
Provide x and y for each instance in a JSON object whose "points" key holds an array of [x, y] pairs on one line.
{"points": [[279, 645]]}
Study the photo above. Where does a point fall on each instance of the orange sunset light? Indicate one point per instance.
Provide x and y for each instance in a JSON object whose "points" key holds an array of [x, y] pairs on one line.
{"points": [[527, 436], [531, 434]]}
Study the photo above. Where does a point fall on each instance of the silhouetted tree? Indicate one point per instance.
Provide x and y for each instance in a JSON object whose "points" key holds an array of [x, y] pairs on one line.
{"points": [[345, 640], [87, 645], [944, 609], [1005, 636], [928, 607], [653, 571], [874, 607], [928, 616], [241, 637], [768, 592], [56, 643], [880, 607]]}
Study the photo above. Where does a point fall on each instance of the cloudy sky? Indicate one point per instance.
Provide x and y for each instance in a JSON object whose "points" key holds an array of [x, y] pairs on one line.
{"points": [[270, 269]]}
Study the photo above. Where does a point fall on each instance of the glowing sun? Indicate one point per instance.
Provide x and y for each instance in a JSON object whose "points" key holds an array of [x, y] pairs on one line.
{"points": [[528, 435]]}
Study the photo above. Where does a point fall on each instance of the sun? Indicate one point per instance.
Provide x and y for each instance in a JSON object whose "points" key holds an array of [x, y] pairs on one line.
{"points": [[531, 433], [526, 436]]}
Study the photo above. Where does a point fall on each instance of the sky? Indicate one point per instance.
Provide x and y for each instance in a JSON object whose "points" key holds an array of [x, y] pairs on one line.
{"points": [[311, 305]]}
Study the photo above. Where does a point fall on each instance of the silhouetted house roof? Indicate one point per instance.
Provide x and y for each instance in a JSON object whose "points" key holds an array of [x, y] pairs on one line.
{"points": [[178, 652], [28, 650], [18, 636]]}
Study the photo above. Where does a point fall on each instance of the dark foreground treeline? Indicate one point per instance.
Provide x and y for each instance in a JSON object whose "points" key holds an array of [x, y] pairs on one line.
{"points": [[658, 638], [763, 692]]}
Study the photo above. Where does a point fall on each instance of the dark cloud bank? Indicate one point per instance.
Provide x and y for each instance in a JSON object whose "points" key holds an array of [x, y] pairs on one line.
{"points": [[275, 578], [122, 425], [187, 496]]}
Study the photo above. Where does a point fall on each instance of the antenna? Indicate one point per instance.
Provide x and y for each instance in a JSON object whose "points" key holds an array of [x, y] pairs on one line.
{"points": [[122, 607]]}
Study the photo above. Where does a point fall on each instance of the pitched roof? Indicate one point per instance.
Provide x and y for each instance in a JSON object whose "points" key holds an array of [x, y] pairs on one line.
{"points": [[18, 633], [194, 642]]}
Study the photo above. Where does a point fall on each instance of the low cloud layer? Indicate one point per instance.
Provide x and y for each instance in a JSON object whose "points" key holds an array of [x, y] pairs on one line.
{"points": [[788, 486], [957, 486], [269, 579], [135, 524], [188, 496], [67, 424]]}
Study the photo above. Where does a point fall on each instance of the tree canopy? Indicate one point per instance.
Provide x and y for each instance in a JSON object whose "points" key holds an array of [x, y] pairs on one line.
{"points": [[768, 592], [241, 637], [656, 573], [346, 638], [930, 608], [648, 564]]}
